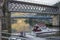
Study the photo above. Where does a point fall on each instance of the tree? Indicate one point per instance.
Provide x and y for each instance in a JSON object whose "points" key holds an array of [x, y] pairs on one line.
{"points": [[57, 4]]}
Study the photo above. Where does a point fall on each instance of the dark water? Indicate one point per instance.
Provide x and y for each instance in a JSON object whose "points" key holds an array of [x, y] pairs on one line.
{"points": [[53, 38]]}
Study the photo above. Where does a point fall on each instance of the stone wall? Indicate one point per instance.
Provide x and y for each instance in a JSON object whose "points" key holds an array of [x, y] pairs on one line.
{"points": [[0, 29], [1, 14]]}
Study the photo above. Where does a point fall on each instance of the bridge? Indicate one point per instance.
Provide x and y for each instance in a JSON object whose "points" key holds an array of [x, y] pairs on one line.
{"points": [[10, 7], [18, 6], [25, 7]]}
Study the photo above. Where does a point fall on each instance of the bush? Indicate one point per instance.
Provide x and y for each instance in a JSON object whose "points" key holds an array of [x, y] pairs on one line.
{"points": [[49, 25]]}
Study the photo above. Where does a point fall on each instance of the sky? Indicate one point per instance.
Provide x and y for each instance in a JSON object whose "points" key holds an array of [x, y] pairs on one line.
{"points": [[46, 2]]}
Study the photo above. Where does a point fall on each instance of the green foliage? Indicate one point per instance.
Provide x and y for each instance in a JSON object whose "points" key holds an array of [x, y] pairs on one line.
{"points": [[26, 21], [57, 4], [31, 22]]}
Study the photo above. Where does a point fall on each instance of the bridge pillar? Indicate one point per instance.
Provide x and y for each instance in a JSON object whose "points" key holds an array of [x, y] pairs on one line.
{"points": [[55, 20], [1, 15]]}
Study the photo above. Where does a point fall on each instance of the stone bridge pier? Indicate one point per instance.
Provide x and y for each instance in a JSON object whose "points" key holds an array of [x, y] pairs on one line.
{"points": [[55, 20]]}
